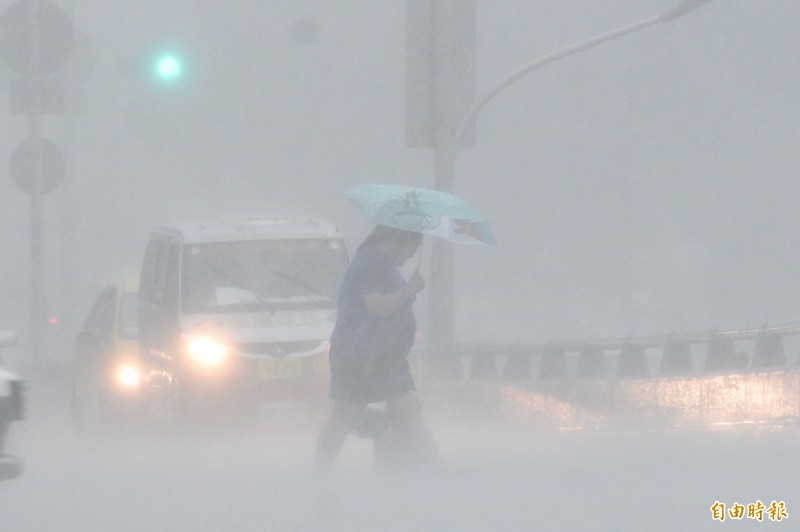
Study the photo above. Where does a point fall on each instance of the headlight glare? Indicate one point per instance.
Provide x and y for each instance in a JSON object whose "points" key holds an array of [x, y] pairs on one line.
{"points": [[128, 376], [207, 351]]}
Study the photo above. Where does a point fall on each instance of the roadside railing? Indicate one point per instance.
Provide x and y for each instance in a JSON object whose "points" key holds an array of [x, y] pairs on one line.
{"points": [[709, 379], [726, 351]]}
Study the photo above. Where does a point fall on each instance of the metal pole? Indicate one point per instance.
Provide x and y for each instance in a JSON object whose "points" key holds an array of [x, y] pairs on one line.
{"points": [[66, 287], [38, 275], [441, 293], [440, 303]]}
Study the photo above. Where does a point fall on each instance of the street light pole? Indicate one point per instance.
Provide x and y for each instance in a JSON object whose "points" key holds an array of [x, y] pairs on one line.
{"points": [[441, 37], [440, 305], [446, 145]]}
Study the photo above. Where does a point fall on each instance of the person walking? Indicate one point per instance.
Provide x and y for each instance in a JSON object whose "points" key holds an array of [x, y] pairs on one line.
{"points": [[373, 335]]}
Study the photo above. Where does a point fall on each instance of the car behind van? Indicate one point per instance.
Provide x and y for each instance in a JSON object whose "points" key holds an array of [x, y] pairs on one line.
{"points": [[238, 313], [106, 388]]}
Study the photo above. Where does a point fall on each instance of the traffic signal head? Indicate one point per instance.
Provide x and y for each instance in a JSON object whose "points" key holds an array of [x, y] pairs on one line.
{"points": [[158, 67], [162, 93], [168, 67]]}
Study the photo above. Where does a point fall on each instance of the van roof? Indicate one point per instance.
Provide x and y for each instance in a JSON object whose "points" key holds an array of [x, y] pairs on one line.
{"points": [[254, 228]]}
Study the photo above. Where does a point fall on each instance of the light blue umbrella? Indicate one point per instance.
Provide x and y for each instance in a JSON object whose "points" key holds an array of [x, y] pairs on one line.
{"points": [[422, 210]]}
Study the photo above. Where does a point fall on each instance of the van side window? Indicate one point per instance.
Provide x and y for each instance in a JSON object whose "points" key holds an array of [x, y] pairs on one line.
{"points": [[147, 288], [159, 284], [168, 276]]}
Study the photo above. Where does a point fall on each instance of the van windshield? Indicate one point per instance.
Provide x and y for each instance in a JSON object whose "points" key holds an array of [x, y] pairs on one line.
{"points": [[248, 276]]}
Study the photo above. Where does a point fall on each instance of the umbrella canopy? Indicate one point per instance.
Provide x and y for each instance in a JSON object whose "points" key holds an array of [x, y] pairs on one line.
{"points": [[422, 210]]}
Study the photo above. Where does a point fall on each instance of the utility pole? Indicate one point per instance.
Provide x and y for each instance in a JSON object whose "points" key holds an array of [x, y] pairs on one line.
{"points": [[38, 274], [76, 71], [35, 40], [440, 86]]}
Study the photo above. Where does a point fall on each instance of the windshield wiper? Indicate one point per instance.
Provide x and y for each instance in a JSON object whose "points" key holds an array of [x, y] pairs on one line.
{"points": [[315, 290], [237, 283]]}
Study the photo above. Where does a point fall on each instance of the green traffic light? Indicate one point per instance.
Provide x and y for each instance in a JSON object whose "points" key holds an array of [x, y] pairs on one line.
{"points": [[169, 67]]}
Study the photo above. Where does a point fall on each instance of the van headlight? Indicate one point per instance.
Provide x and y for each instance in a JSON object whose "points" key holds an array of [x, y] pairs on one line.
{"points": [[128, 376], [207, 351]]}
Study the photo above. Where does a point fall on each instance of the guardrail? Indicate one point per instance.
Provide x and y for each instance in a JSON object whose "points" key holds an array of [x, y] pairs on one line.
{"points": [[716, 378], [723, 354]]}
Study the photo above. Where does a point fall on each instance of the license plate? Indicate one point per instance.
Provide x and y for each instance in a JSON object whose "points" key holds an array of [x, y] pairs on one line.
{"points": [[286, 368]]}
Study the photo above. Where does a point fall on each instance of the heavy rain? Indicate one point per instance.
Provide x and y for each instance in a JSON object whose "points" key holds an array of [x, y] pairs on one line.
{"points": [[615, 347]]}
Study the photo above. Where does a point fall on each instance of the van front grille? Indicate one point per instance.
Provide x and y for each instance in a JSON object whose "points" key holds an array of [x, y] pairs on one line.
{"points": [[279, 349]]}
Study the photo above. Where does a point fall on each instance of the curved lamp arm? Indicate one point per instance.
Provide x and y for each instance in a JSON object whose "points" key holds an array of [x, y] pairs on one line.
{"points": [[683, 8]]}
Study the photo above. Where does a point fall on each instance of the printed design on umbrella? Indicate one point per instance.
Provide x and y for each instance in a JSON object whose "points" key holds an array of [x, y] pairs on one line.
{"points": [[421, 210], [467, 228], [409, 205]]}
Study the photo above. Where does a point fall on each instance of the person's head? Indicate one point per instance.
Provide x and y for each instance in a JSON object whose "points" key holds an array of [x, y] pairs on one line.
{"points": [[398, 244]]}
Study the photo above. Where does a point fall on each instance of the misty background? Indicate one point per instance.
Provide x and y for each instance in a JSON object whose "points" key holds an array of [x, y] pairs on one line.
{"points": [[640, 187]]}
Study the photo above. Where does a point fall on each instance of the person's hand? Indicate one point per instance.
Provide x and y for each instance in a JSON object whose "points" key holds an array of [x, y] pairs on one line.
{"points": [[416, 283]]}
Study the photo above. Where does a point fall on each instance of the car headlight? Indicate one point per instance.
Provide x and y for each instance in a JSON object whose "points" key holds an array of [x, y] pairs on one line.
{"points": [[128, 376], [207, 351]]}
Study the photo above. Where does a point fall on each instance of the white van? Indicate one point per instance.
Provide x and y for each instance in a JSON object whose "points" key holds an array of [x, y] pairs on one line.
{"points": [[238, 312]]}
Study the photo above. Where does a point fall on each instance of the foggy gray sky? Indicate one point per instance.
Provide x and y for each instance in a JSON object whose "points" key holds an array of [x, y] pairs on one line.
{"points": [[658, 169]]}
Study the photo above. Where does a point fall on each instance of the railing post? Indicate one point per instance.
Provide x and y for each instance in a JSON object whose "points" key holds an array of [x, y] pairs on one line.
{"points": [[518, 367], [483, 367], [591, 363], [721, 355], [676, 358], [768, 351], [553, 365], [632, 361]]}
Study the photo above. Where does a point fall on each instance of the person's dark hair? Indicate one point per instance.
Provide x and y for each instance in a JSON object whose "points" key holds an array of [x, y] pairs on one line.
{"points": [[394, 237]]}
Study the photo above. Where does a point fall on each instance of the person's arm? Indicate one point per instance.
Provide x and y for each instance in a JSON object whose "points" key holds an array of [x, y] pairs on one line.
{"points": [[380, 304]]}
